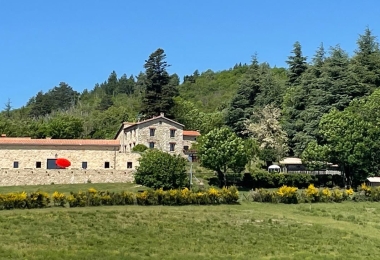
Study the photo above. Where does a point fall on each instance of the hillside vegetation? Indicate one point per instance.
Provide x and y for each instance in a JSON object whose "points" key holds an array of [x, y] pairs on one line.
{"points": [[254, 100]]}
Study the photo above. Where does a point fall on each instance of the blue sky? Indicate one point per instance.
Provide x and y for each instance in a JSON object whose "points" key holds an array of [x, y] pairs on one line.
{"points": [[43, 43]]}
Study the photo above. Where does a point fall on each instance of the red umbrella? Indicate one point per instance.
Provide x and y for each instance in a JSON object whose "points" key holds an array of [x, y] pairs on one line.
{"points": [[62, 162]]}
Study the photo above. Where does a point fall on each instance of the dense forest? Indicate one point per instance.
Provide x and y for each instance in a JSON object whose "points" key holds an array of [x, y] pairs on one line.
{"points": [[282, 108]]}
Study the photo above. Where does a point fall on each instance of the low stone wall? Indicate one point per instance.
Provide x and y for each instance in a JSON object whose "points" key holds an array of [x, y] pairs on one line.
{"points": [[16, 177]]}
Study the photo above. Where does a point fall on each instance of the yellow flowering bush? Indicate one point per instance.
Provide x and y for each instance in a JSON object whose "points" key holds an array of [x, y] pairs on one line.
{"points": [[79, 199], [337, 195], [364, 188], [59, 199], [128, 198], [92, 191], [312, 193], [350, 191], [142, 198], [230, 195], [38, 199], [325, 195], [287, 194], [185, 197], [13, 200], [92, 197], [214, 196]]}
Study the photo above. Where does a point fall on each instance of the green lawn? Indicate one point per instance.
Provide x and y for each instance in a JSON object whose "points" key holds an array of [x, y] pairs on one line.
{"points": [[249, 231], [66, 188]]}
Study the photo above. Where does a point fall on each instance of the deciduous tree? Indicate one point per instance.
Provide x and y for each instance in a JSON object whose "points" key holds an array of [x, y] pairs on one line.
{"points": [[222, 150]]}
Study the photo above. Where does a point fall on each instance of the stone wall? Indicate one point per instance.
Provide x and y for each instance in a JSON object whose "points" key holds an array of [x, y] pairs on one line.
{"points": [[189, 140], [140, 134], [96, 158], [16, 177]]}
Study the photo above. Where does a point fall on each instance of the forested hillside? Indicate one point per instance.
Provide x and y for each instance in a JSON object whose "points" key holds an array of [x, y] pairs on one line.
{"points": [[255, 100]]}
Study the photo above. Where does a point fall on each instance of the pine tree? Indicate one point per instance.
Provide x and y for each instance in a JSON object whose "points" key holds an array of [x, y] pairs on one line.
{"points": [[8, 108], [241, 106], [366, 62], [297, 64], [157, 79]]}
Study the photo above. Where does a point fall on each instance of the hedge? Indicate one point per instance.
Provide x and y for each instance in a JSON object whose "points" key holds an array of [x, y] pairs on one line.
{"points": [[92, 197], [291, 195], [264, 179]]}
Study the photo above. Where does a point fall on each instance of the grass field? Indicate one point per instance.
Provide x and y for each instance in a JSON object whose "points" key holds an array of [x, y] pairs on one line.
{"points": [[66, 188], [248, 231]]}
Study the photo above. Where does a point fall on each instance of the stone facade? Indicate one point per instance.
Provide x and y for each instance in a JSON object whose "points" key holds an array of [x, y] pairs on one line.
{"points": [[159, 132], [15, 177], [36, 157], [30, 161]]}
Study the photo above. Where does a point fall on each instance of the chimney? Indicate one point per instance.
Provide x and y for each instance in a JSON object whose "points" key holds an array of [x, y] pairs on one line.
{"points": [[48, 137], [162, 114], [3, 135]]}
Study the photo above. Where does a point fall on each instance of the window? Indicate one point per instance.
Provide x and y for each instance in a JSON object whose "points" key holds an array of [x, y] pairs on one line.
{"points": [[106, 165], [38, 164], [186, 147], [172, 146], [51, 164], [172, 132], [151, 145], [134, 144], [15, 164], [129, 165], [84, 165], [152, 130]]}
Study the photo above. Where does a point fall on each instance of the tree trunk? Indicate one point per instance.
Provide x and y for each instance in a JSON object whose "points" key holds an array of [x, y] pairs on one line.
{"points": [[348, 177], [222, 179]]}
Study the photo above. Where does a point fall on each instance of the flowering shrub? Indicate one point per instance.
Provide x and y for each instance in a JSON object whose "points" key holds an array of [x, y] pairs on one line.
{"points": [[38, 199], [13, 200], [311, 194], [59, 199], [92, 197], [230, 195], [214, 196], [288, 194]]}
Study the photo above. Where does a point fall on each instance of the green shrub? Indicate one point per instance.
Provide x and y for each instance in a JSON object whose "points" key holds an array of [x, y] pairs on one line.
{"points": [[139, 148], [159, 169], [264, 179], [38, 199]]}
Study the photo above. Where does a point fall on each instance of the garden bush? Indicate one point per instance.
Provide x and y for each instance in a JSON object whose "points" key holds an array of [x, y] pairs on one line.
{"points": [[139, 148], [264, 179], [92, 197], [291, 195], [159, 169]]}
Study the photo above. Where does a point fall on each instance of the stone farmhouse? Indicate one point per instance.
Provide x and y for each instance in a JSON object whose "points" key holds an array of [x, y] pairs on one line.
{"points": [[24, 160]]}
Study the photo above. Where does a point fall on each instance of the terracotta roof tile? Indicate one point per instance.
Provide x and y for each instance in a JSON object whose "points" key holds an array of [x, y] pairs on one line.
{"points": [[191, 133], [70, 142]]}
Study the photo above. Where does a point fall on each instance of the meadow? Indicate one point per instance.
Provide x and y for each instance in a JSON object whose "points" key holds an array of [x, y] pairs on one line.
{"points": [[348, 230]]}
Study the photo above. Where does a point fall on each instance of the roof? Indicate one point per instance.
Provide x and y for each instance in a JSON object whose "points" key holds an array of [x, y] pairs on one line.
{"points": [[123, 125], [291, 160], [274, 167], [191, 133], [63, 142], [129, 125], [373, 179]]}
